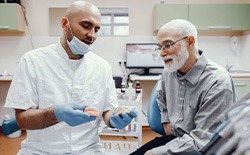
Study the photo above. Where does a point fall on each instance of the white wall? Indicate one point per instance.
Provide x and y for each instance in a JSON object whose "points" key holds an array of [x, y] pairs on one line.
{"points": [[112, 49]]}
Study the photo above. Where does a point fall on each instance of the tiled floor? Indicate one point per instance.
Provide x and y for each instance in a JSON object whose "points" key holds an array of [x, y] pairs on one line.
{"points": [[10, 146]]}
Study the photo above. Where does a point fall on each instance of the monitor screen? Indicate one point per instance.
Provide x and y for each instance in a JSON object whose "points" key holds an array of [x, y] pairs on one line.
{"points": [[143, 55]]}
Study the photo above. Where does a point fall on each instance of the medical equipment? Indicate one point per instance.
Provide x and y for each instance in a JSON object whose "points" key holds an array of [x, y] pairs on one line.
{"points": [[225, 131], [9, 125]]}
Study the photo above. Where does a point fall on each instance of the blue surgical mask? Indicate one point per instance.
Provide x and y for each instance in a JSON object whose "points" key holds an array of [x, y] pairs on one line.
{"points": [[77, 46]]}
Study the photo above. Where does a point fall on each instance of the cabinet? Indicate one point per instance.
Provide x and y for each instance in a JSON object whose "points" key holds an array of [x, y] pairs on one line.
{"points": [[233, 17], [167, 12], [220, 16], [4, 87], [123, 142], [11, 18]]}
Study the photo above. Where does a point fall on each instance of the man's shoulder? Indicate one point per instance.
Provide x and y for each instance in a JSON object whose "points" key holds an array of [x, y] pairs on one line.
{"points": [[41, 51], [45, 49], [217, 73], [216, 68]]}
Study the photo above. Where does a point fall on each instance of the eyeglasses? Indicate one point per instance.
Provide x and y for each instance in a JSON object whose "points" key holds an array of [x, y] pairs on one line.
{"points": [[168, 45]]}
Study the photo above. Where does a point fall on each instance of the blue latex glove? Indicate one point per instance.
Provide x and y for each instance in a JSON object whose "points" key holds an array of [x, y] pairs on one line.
{"points": [[120, 121], [72, 114]]}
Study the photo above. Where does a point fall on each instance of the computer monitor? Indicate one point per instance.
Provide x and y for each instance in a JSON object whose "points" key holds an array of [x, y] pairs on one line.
{"points": [[143, 56]]}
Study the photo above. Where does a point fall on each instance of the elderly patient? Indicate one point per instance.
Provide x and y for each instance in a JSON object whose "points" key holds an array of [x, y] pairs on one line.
{"points": [[192, 93]]}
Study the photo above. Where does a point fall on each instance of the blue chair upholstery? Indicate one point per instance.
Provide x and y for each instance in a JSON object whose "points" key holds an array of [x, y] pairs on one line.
{"points": [[153, 115], [9, 126]]}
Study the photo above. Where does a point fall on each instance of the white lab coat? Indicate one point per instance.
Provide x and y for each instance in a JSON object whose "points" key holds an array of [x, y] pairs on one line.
{"points": [[46, 77]]}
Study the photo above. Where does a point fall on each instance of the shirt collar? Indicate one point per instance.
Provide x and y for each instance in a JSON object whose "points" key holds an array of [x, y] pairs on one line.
{"points": [[64, 54], [61, 51], [193, 75]]}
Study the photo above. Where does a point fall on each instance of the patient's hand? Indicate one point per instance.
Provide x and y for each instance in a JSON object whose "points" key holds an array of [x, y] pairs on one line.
{"points": [[167, 128]]}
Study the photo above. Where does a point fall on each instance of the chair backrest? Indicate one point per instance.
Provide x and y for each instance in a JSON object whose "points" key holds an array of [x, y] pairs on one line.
{"points": [[153, 114]]}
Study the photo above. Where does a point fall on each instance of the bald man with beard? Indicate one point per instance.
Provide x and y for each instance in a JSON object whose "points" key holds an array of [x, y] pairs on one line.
{"points": [[61, 92]]}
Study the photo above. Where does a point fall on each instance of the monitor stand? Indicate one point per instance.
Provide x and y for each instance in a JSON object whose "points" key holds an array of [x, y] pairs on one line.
{"points": [[147, 73]]}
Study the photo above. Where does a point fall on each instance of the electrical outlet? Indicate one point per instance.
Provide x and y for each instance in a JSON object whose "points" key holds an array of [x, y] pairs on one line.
{"points": [[122, 62]]}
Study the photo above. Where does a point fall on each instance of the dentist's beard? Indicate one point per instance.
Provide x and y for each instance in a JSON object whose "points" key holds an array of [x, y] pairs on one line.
{"points": [[178, 60]]}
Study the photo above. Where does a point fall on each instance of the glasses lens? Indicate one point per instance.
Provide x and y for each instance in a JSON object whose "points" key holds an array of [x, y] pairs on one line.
{"points": [[168, 46]]}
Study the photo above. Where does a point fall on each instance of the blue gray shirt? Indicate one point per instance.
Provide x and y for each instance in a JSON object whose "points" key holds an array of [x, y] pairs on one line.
{"points": [[191, 102]]}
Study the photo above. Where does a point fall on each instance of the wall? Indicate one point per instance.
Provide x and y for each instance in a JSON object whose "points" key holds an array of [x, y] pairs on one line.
{"points": [[217, 48], [112, 49]]}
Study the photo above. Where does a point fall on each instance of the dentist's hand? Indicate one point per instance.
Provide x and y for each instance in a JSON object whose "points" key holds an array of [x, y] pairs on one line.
{"points": [[72, 114], [120, 121]]}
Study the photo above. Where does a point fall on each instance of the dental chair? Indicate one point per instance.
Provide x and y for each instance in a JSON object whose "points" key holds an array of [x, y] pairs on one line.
{"points": [[153, 114]]}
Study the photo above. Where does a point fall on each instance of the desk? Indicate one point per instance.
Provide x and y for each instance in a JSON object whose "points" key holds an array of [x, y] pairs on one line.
{"points": [[145, 78], [147, 84], [6, 78]]}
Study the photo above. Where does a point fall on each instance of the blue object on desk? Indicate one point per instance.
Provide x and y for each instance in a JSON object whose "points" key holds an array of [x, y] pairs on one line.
{"points": [[9, 125]]}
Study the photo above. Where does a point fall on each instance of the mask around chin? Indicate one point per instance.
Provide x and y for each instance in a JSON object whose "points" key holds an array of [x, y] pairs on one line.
{"points": [[78, 47]]}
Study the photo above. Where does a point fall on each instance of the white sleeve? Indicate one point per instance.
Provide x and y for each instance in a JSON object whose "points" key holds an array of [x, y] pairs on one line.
{"points": [[22, 93]]}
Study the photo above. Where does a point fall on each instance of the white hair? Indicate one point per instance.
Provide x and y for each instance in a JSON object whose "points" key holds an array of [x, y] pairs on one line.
{"points": [[181, 27]]}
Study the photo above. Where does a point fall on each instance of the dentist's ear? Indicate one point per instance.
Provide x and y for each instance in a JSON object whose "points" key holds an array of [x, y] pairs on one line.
{"points": [[65, 22]]}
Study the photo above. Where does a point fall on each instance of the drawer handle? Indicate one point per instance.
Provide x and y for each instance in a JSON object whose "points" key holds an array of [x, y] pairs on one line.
{"points": [[219, 27], [241, 85], [2, 27]]}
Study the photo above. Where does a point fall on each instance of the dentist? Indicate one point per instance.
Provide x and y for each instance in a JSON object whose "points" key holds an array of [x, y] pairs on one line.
{"points": [[61, 92]]}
